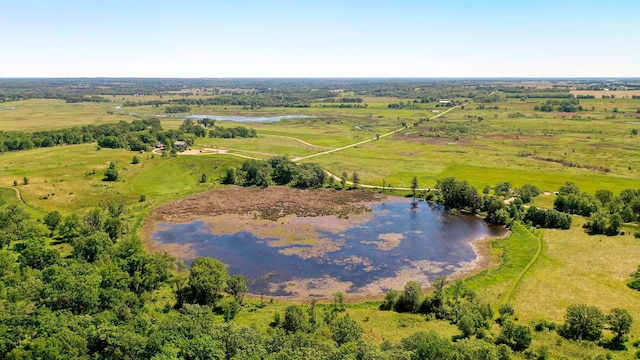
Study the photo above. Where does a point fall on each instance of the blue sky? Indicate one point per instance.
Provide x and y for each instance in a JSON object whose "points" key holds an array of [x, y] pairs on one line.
{"points": [[143, 38]]}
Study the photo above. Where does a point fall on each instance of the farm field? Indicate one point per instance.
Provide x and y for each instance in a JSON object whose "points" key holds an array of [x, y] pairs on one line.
{"points": [[491, 134]]}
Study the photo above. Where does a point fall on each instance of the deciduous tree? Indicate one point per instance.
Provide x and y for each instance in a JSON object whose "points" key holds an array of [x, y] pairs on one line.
{"points": [[583, 322], [620, 322], [208, 276]]}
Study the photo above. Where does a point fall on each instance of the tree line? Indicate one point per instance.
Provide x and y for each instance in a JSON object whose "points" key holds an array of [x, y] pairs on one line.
{"points": [[140, 134], [606, 212], [18, 140], [278, 170], [567, 105], [250, 101], [474, 318], [199, 128], [463, 196]]}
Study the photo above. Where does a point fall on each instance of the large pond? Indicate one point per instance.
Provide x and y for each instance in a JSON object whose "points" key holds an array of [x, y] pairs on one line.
{"points": [[244, 119], [398, 241]]}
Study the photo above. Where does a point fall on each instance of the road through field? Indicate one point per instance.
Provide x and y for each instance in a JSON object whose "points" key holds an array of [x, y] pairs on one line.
{"points": [[298, 140], [208, 151], [365, 141], [334, 176]]}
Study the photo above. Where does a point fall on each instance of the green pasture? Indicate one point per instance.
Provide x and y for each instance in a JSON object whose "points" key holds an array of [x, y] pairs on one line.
{"points": [[261, 147], [46, 114], [9, 196], [579, 268], [481, 167], [180, 175], [513, 253], [327, 132], [69, 178]]}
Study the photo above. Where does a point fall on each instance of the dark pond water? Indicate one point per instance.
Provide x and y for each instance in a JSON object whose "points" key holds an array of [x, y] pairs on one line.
{"points": [[395, 244]]}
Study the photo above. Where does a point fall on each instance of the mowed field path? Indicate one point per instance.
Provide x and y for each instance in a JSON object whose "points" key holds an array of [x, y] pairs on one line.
{"points": [[366, 141]]}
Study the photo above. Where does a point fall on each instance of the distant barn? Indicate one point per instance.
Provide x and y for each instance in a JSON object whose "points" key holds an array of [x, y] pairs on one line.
{"points": [[180, 145], [445, 103]]}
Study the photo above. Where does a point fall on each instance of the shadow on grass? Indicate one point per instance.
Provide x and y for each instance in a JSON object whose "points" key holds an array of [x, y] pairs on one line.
{"points": [[614, 345]]}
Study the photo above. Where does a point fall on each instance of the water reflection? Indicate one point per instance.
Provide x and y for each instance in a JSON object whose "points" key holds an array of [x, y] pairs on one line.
{"points": [[402, 240]]}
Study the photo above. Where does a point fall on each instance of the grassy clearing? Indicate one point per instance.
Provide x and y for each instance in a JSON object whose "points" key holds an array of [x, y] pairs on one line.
{"points": [[69, 178], [378, 325], [544, 201], [8, 196], [261, 146], [512, 253], [580, 268], [181, 175], [46, 114]]}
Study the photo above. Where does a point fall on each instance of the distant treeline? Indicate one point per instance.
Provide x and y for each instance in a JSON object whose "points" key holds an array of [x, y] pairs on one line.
{"points": [[569, 105], [252, 101], [562, 95], [136, 135], [69, 98], [298, 91], [177, 109], [343, 100], [199, 128], [140, 134]]}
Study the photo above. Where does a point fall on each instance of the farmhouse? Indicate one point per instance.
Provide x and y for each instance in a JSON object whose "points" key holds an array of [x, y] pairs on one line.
{"points": [[180, 145], [445, 103]]}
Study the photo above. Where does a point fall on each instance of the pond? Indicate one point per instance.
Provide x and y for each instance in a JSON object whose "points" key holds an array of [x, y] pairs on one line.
{"points": [[245, 119], [367, 254]]}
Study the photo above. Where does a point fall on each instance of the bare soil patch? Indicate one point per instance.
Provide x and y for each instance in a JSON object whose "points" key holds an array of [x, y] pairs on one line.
{"points": [[433, 140], [271, 203], [287, 216]]}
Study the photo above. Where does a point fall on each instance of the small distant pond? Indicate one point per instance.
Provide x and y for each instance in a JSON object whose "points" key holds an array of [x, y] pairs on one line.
{"points": [[367, 254], [244, 119]]}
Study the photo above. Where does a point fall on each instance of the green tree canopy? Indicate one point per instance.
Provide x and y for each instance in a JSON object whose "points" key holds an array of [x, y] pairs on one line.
{"points": [[208, 276]]}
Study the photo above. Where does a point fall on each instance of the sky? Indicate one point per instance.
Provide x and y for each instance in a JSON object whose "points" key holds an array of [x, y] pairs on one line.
{"points": [[276, 38]]}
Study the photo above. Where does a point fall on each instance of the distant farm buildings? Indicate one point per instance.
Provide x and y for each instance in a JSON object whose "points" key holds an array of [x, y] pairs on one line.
{"points": [[445, 103], [180, 145]]}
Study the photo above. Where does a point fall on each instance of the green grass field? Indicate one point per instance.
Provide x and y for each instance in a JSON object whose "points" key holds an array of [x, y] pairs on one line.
{"points": [[69, 178], [45, 114], [514, 252]]}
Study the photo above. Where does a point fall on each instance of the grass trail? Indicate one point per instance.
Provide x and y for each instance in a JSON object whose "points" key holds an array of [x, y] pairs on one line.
{"points": [[507, 295], [367, 140], [513, 253], [11, 195]]}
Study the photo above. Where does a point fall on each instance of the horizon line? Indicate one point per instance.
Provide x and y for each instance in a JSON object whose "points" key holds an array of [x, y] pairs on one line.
{"points": [[333, 78]]}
